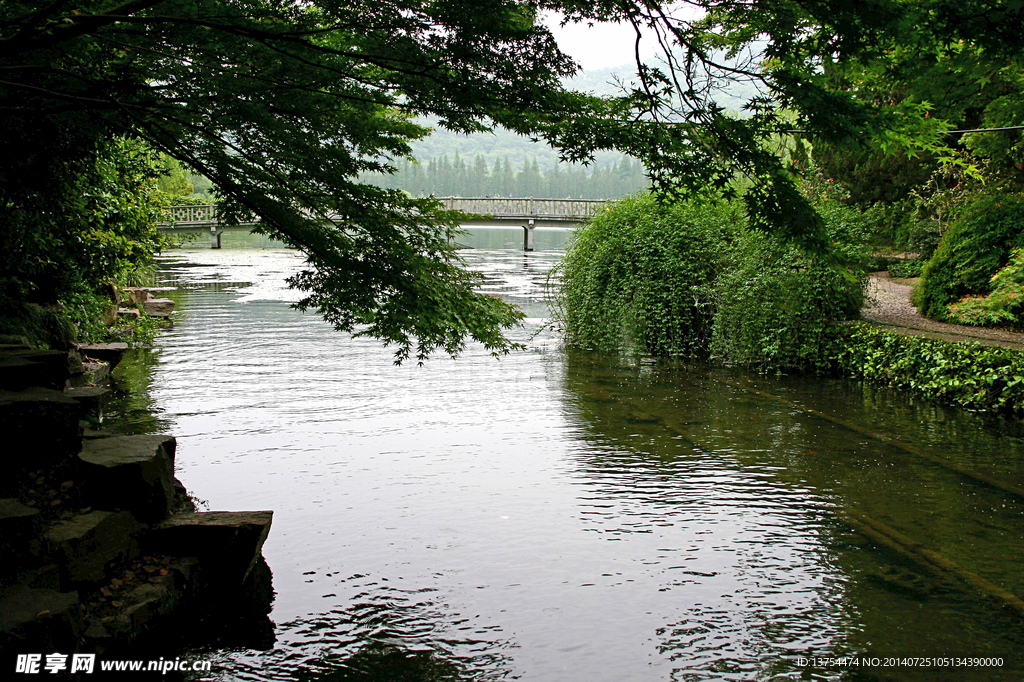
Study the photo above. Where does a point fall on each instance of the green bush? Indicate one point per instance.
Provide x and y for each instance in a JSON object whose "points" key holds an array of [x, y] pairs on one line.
{"points": [[639, 277], [966, 374], [977, 243], [775, 305], [689, 280], [905, 269], [1004, 306]]}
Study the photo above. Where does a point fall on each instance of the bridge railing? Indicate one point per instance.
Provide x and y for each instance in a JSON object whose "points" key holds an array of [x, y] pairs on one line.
{"points": [[566, 209], [203, 213], [540, 208]]}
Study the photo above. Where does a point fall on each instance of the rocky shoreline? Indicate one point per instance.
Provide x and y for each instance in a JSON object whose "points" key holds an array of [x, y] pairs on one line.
{"points": [[101, 548]]}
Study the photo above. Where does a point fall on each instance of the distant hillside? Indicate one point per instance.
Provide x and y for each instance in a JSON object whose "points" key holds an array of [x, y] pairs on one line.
{"points": [[461, 176], [502, 144]]}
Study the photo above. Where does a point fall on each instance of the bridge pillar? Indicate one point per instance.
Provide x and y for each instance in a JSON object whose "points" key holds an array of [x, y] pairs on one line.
{"points": [[215, 237], [528, 236]]}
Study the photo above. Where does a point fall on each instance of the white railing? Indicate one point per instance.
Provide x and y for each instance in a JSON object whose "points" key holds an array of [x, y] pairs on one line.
{"points": [[526, 207], [499, 207], [204, 213]]}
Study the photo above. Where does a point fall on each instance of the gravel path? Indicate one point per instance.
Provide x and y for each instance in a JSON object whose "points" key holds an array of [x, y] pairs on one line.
{"points": [[889, 305]]}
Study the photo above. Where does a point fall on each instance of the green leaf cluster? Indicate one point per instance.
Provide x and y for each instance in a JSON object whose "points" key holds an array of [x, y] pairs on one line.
{"points": [[776, 305], [906, 269]]}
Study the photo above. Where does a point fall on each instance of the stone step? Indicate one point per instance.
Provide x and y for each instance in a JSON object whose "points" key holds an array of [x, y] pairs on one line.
{"points": [[42, 575], [158, 307], [57, 365], [134, 473], [17, 520], [13, 341], [19, 526], [17, 374], [111, 353], [227, 544], [90, 398], [93, 373], [85, 545], [40, 428], [134, 296], [38, 620]]}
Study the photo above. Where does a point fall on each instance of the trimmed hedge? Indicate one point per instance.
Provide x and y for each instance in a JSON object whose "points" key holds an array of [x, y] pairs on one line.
{"points": [[966, 374]]}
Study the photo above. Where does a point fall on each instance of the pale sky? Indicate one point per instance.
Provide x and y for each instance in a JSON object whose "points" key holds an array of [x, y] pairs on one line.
{"points": [[599, 46]]}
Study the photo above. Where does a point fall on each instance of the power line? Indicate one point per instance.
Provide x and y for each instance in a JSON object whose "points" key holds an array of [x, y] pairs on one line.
{"points": [[985, 130], [948, 132]]}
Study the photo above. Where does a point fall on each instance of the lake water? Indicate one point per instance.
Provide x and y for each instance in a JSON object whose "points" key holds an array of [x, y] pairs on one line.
{"points": [[567, 516]]}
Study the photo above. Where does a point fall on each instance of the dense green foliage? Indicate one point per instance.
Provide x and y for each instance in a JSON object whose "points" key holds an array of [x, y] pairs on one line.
{"points": [[443, 178], [284, 105], [691, 280], [978, 242], [966, 84], [67, 257], [1003, 306], [776, 306], [172, 181], [107, 236], [906, 269], [641, 276], [966, 374]]}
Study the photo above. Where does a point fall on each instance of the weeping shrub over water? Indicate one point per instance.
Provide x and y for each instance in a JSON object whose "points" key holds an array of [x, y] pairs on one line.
{"points": [[776, 305], [689, 280], [640, 277]]}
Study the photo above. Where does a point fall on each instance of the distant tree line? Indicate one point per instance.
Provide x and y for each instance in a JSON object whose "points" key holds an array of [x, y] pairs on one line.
{"points": [[455, 177]]}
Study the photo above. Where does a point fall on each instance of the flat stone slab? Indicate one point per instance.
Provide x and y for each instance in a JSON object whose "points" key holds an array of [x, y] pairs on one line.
{"points": [[11, 509], [111, 353], [19, 526], [158, 307], [135, 295], [112, 347], [53, 368], [45, 576], [227, 544], [16, 519], [14, 341], [90, 432], [92, 372], [91, 398], [18, 373], [135, 473], [38, 620], [44, 418], [86, 543]]}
